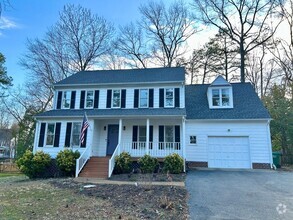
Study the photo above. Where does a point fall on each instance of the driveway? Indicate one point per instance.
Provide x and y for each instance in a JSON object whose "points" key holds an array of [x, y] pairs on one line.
{"points": [[242, 194]]}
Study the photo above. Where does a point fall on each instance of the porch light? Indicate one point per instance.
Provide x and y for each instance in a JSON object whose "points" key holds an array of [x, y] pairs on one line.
{"points": [[105, 128], [124, 128]]}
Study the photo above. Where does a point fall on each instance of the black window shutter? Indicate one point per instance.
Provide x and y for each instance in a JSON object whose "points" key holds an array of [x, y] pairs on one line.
{"points": [[123, 98], [82, 97], [151, 98], [57, 134], [161, 133], [96, 102], [136, 94], [177, 97], [161, 98], [68, 134], [151, 134], [59, 100], [84, 142], [177, 133], [72, 101], [42, 135], [109, 98], [134, 133]]}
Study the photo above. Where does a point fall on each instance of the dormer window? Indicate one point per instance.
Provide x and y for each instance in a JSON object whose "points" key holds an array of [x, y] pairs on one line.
{"points": [[220, 97], [220, 94]]}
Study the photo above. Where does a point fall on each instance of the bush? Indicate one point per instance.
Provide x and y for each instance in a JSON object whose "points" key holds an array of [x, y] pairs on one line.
{"points": [[173, 163], [148, 164], [33, 165], [66, 161], [123, 163]]}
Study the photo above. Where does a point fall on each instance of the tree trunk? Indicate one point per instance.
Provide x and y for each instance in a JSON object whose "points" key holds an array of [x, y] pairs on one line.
{"points": [[242, 61]]}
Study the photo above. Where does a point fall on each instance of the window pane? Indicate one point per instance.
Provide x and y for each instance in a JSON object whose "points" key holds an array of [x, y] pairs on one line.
{"points": [[192, 139], [66, 99], [216, 97], [169, 93], [75, 134], [142, 134], [225, 97], [116, 98], [169, 134], [143, 98], [90, 99], [169, 99], [50, 134]]}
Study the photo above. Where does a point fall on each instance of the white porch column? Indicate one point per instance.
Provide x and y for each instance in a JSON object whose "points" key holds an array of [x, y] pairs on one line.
{"points": [[120, 135], [183, 142], [147, 135], [36, 137]]}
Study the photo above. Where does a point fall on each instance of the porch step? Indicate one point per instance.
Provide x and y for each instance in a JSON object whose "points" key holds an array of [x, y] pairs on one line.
{"points": [[96, 167]]}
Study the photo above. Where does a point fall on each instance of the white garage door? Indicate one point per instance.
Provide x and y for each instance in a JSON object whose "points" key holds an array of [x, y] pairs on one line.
{"points": [[228, 152]]}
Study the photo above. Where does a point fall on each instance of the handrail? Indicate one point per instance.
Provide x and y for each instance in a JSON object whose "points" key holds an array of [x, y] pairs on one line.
{"points": [[112, 160], [81, 161]]}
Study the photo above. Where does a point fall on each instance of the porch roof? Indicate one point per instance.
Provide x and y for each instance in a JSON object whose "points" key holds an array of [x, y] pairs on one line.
{"points": [[102, 113]]}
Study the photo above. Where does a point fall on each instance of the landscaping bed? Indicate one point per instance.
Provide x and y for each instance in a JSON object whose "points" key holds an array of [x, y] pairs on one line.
{"points": [[61, 198], [158, 177]]}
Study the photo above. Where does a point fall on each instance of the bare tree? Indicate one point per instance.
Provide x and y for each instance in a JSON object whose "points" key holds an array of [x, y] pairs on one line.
{"points": [[132, 46], [167, 30], [4, 4], [75, 43], [246, 22]]}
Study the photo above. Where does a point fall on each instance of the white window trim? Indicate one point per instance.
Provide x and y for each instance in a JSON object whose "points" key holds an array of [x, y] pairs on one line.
{"points": [[195, 140], [85, 100], [113, 98], [138, 133], [62, 104], [166, 135], [71, 135], [47, 133], [147, 99], [165, 98], [210, 97]]}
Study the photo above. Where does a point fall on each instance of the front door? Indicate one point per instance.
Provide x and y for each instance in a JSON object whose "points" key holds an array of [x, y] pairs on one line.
{"points": [[112, 143]]}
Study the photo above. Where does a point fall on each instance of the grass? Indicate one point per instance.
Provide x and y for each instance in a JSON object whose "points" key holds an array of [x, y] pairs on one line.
{"points": [[10, 174]]}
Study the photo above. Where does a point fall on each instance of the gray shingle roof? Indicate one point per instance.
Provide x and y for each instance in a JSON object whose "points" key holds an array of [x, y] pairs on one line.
{"points": [[151, 75], [112, 112], [247, 105]]}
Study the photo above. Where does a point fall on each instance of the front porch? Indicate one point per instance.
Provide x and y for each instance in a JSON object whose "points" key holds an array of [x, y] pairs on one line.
{"points": [[155, 137]]}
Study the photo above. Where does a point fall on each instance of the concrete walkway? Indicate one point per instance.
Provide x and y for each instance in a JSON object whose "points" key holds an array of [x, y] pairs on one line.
{"points": [[113, 182]]}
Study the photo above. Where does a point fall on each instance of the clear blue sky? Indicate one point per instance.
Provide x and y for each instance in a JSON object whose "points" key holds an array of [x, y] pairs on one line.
{"points": [[31, 18]]}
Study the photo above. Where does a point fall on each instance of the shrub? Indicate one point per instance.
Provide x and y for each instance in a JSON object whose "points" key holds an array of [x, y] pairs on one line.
{"points": [[66, 161], [123, 163], [148, 164], [173, 163], [33, 165]]}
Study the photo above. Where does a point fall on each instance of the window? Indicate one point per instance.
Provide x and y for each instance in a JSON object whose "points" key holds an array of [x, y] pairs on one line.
{"points": [[221, 98], [50, 134], [169, 97], [89, 99], [192, 139], [116, 98], [66, 99], [142, 133], [75, 133], [143, 98], [169, 134]]}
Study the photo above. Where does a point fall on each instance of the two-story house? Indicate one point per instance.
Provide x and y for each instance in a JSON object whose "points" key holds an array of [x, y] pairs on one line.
{"points": [[152, 111]]}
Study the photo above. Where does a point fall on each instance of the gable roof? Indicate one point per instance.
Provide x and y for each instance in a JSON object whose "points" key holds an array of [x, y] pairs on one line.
{"points": [[220, 81], [151, 75], [247, 104]]}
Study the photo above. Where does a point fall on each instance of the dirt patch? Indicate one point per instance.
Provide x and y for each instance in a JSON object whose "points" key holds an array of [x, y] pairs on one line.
{"points": [[66, 199]]}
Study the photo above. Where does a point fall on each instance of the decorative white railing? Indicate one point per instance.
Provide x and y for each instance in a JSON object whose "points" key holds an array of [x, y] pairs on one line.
{"points": [[81, 161], [112, 160], [155, 149]]}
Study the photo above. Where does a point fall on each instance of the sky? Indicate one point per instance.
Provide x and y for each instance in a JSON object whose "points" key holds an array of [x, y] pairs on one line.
{"points": [[30, 19]]}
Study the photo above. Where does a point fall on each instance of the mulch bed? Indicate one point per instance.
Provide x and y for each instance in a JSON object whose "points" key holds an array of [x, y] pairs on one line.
{"points": [[158, 177]]}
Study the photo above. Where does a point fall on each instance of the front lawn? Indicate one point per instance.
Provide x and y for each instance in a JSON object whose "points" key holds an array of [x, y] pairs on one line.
{"points": [[22, 198]]}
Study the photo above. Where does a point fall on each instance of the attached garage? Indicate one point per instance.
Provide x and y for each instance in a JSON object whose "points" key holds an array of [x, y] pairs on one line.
{"points": [[228, 152]]}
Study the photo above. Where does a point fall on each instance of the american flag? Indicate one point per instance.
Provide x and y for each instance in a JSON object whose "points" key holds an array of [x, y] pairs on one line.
{"points": [[84, 126]]}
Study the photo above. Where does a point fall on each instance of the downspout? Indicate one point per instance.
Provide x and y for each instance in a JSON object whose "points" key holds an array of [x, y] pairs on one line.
{"points": [[270, 144]]}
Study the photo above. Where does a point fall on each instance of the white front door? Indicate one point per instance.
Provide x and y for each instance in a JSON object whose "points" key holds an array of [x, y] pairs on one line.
{"points": [[228, 152]]}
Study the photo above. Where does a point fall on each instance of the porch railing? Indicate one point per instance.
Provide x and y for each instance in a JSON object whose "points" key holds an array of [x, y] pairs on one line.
{"points": [[112, 160], [81, 161], [155, 149]]}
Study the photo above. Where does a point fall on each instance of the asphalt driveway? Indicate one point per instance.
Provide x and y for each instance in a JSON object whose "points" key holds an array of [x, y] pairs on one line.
{"points": [[251, 194]]}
